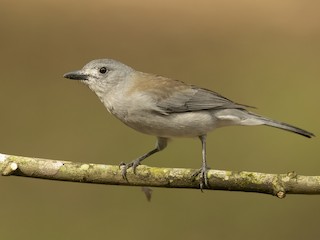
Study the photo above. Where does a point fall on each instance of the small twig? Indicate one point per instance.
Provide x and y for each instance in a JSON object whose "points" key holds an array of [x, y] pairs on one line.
{"points": [[275, 184]]}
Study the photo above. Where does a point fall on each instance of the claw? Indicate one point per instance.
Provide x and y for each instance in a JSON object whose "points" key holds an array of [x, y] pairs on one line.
{"points": [[161, 144], [124, 169], [135, 164], [203, 177], [121, 164], [125, 166]]}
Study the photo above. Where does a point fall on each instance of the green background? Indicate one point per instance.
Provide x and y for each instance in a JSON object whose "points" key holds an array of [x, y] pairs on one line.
{"points": [[260, 53]]}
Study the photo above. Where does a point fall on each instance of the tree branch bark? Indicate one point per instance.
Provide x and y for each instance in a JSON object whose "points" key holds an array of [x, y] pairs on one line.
{"points": [[275, 184]]}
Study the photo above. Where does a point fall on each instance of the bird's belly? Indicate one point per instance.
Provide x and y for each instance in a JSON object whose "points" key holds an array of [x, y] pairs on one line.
{"points": [[189, 124]]}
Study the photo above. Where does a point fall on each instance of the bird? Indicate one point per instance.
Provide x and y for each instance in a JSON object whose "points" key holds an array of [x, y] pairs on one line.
{"points": [[166, 108]]}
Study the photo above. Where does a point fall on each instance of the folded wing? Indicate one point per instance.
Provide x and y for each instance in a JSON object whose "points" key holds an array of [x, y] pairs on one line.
{"points": [[195, 99]]}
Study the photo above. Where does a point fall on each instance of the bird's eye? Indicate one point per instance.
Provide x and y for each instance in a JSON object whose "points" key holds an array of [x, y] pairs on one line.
{"points": [[103, 70]]}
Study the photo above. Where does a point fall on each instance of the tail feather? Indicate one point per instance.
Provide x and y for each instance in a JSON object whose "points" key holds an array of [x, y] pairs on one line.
{"points": [[246, 118], [286, 126]]}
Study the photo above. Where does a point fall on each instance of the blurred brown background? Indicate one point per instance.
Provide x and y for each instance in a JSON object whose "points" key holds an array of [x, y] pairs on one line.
{"points": [[261, 53]]}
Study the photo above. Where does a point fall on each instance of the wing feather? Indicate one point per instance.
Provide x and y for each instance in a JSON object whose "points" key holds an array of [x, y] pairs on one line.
{"points": [[173, 96], [196, 99]]}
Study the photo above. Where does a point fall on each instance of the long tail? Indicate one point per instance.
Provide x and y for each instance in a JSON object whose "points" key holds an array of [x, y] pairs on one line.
{"points": [[284, 126], [246, 118]]}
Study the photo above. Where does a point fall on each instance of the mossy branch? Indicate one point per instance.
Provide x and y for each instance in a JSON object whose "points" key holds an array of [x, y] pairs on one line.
{"points": [[275, 184]]}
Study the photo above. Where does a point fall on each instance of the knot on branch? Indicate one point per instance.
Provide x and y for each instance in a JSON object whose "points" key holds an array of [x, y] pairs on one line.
{"points": [[9, 168], [278, 187]]}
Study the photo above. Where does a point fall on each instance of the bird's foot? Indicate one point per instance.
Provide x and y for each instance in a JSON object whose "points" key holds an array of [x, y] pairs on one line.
{"points": [[203, 177], [125, 166]]}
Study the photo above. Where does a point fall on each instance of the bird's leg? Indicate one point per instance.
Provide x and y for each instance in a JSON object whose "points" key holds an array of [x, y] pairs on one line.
{"points": [[161, 144], [202, 172]]}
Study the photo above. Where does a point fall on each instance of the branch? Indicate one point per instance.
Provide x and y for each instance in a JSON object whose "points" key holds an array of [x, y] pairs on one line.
{"points": [[275, 184]]}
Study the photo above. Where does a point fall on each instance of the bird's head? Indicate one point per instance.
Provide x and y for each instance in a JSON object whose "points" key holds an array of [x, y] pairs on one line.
{"points": [[102, 75]]}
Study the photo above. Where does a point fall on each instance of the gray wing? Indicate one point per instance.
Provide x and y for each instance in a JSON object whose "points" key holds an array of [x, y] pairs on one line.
{"points": [[195, 99]]}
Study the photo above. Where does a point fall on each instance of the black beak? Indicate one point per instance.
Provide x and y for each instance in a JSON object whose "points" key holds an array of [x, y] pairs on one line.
{"points": [[77, 75]]}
